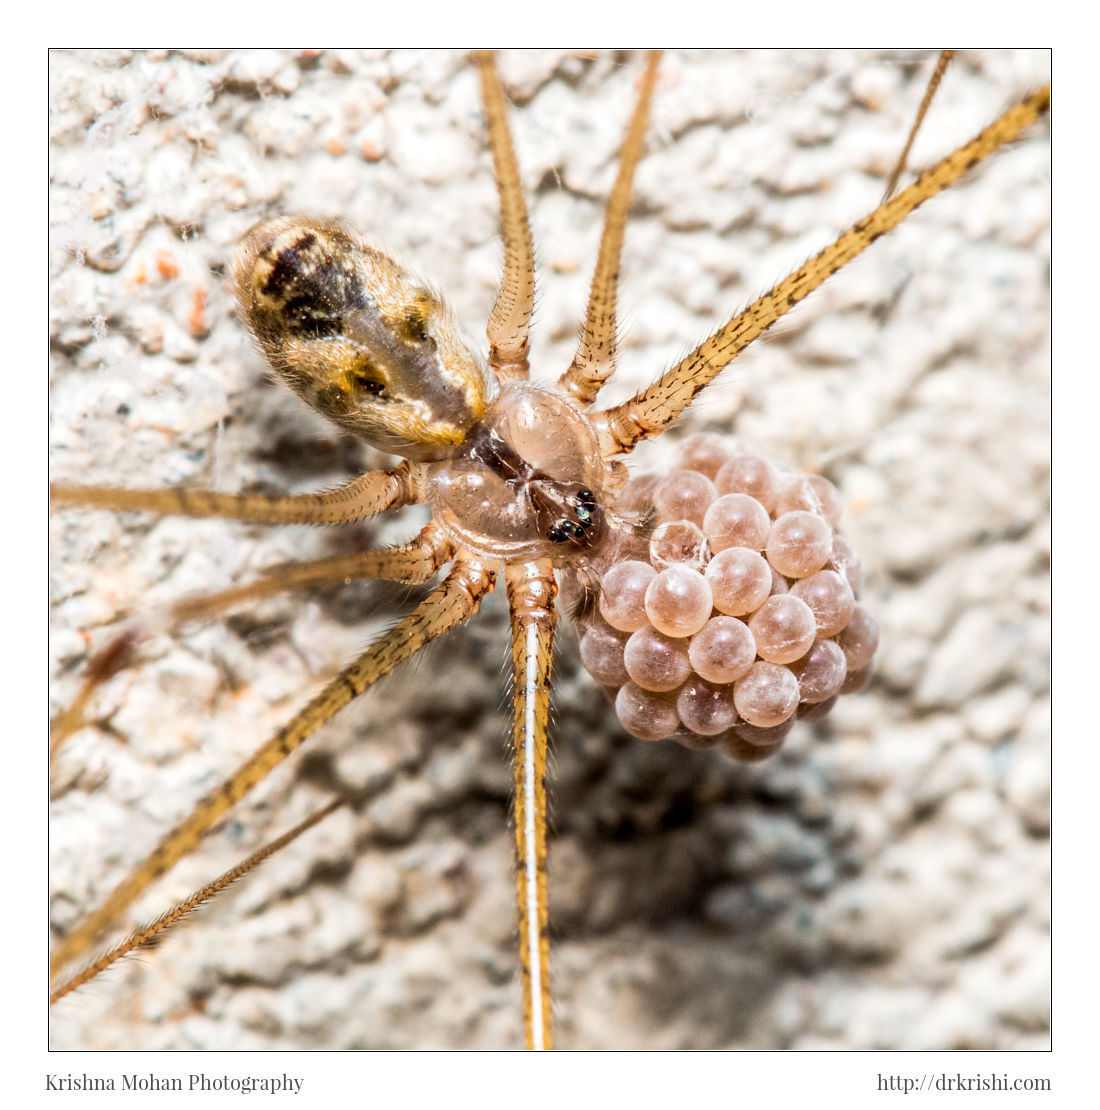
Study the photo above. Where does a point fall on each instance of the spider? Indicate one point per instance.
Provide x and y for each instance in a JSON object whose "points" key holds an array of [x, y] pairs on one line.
{"points": [[438, 918]]}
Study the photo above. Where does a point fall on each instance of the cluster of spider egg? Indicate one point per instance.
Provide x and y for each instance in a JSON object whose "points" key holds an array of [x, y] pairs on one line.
{"points": [[740, 616]]}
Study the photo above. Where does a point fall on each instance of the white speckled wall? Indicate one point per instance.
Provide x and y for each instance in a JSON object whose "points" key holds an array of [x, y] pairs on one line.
{"points": [[882, 884]]}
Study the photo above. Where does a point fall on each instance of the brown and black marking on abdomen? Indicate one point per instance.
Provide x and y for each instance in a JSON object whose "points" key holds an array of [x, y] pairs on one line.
{"points": [[304, 282], [359, 338]]}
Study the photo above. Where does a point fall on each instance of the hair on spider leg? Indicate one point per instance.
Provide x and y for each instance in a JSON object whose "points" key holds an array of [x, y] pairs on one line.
{"points": [[581, 986]]}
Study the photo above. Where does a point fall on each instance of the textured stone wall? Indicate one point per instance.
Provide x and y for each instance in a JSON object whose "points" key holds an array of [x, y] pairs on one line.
{"points": [[883, 883]]}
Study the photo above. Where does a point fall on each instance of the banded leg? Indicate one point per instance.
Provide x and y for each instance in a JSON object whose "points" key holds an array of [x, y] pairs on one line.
{"points": [[110, 660], [510, 319], [531, 590], [412, 563], [364, 496], [933, 84], [451, 603], [594, 361], [153, 933], [652, 410]]}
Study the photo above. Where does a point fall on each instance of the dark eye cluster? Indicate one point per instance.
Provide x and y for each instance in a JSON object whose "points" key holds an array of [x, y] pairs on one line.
{"points": [[584, 504]]}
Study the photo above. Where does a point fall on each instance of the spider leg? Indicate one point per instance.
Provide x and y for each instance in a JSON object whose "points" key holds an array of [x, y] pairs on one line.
{"points": [[412, 563], [364, 496], [531, 590], [933, 84], [116, 656], [511, 316], [652, 410], [152, 934], [455, 599], [594, 361]]}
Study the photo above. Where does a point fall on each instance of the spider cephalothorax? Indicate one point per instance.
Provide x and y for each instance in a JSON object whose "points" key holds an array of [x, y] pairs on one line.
{"points": [[528, 481]]}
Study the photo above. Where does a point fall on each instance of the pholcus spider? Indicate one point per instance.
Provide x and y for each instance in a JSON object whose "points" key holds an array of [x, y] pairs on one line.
{"points": [[647, 950]]}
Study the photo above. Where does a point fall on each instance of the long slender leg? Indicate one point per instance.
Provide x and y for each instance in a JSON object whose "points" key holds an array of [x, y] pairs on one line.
{"points": [[594, 361], [364, 496], [412, 563], [933, 84], [452, 602], [652, 410], [116, 656], [511, 316], [153, 933], [531, 590]]}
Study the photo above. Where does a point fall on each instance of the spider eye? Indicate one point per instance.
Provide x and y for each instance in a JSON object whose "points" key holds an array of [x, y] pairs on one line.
{"points": [[564, 530], [585, 505]]}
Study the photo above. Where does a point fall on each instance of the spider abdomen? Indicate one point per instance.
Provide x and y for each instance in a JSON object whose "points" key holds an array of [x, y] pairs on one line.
{"points": [[359, 337]]}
